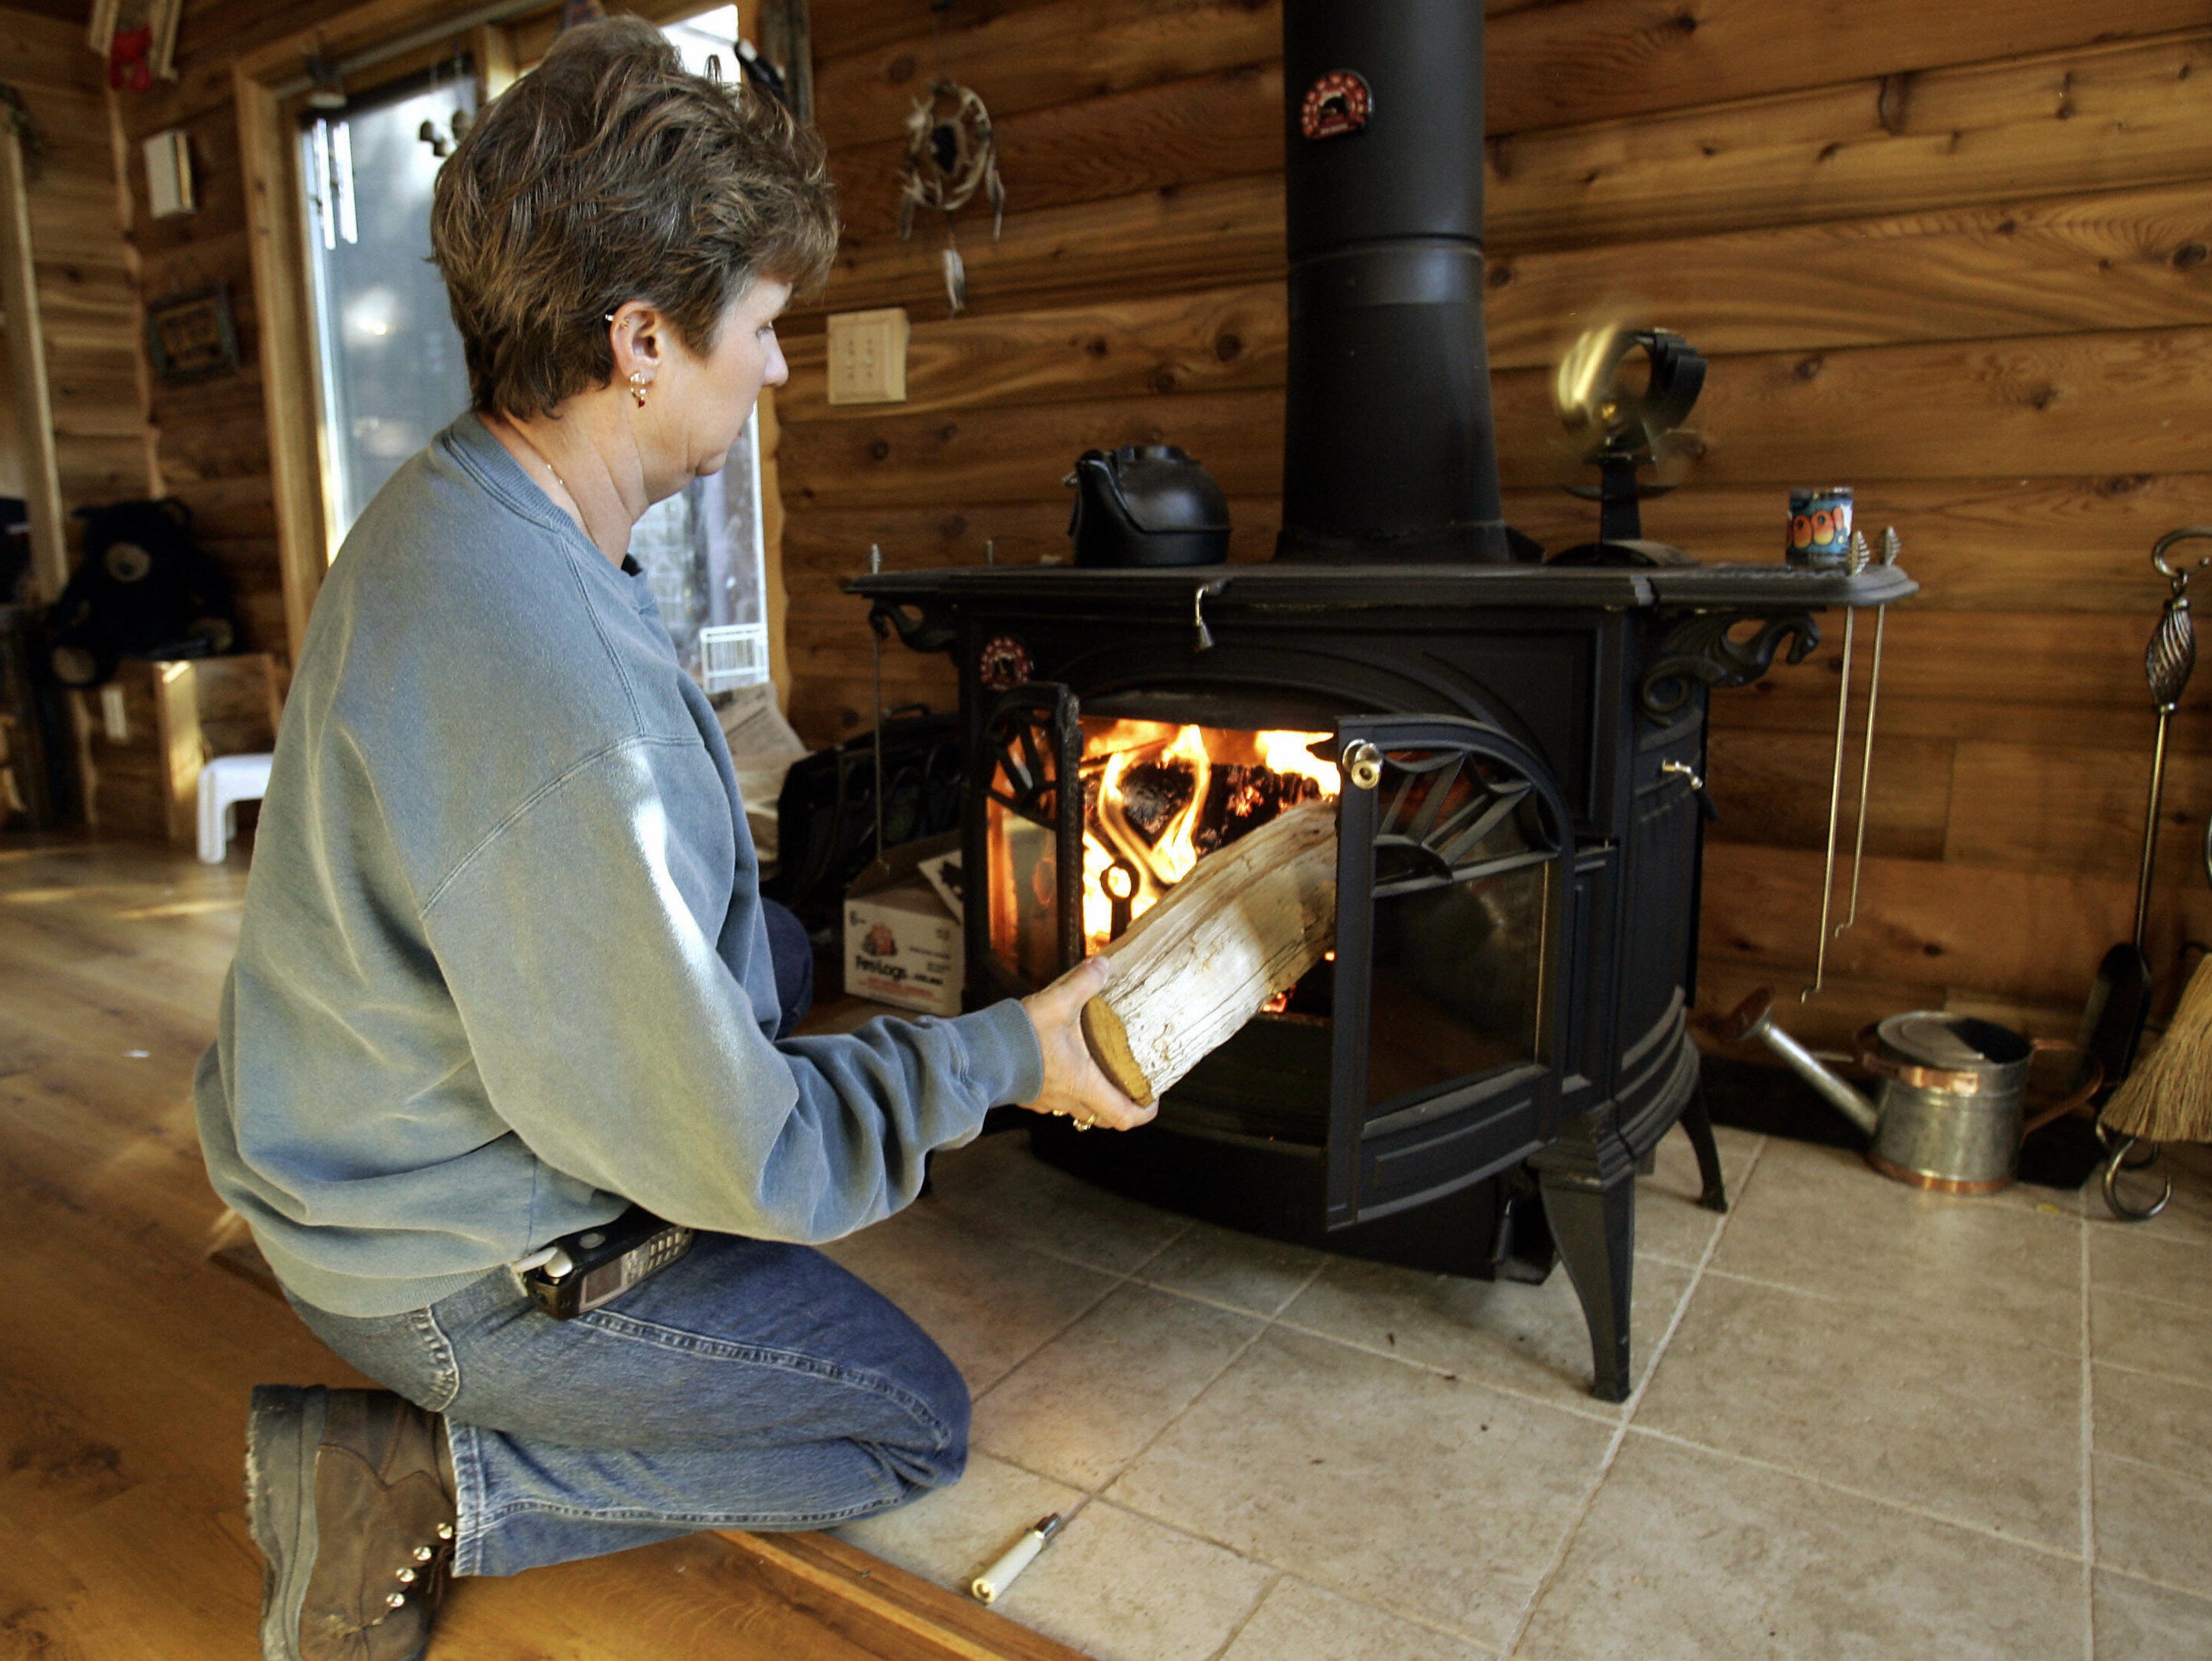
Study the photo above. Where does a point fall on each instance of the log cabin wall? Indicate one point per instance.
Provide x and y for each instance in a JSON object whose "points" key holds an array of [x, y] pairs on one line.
{"points": [[81, 266], [212, 437], [1960, 258]]}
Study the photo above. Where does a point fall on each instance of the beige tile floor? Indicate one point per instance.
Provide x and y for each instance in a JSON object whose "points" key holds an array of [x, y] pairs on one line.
{"points": [[1867, 1423]]}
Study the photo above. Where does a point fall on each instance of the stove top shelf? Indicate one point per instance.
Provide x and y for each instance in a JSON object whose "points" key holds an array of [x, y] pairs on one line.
{"points": [[1752, 589]]}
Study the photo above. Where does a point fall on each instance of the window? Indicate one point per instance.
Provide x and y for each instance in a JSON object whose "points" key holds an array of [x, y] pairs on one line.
{"points": [[391, 372], [389, 358]]}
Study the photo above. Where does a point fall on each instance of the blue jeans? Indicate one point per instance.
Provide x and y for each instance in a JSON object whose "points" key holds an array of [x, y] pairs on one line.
{"points": [[750, 1385]]}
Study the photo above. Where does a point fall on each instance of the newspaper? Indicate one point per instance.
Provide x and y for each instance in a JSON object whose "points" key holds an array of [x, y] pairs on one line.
{"points": [[763, 747]]}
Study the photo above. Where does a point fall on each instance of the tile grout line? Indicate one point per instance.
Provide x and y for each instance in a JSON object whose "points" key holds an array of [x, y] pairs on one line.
{"points": [[2088, 1464], [2134, 1369], [1840, 1301], [2194, 1594], [2063, 1554], [1520, 1628], [1115, 1283], [1267, 1324], [1118, 1278], [1098, 1492], [1237, 1631], [2197, 1308]]}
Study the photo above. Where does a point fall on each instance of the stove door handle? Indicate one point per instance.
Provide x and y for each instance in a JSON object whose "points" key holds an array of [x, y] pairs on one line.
{"points": [[1363, 764]]}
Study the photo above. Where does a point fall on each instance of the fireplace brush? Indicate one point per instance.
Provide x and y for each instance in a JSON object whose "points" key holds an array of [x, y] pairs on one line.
{"points": [[2170, 1099]]}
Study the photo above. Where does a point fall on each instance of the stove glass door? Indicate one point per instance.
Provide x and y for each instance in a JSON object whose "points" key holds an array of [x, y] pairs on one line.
{"points": [[1451, 877], [1028, 929]]}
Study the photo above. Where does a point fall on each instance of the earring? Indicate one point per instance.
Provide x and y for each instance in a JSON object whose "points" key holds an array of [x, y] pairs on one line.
{"points": [[637, 386]]}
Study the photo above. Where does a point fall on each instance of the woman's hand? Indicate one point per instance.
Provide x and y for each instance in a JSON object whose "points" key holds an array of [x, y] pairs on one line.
{"points": [[1072, 1083]]}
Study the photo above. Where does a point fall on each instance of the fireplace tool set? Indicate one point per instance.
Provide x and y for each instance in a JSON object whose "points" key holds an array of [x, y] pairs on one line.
{"points": [[2119, 1000]]}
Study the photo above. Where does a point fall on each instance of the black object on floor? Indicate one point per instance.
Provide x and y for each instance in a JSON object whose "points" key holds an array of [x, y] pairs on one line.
{"points": [[1772, 1101]]}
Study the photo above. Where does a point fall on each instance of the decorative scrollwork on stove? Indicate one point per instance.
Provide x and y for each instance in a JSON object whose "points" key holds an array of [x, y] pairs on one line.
{"points": [[926, 624], [1022, 773], [1443, 813], [1028, 766], [1701, 650]]}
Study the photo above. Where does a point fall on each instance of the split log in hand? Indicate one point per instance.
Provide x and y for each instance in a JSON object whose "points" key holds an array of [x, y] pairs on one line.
{"points": [[1247, 923], [1073, 1085]]}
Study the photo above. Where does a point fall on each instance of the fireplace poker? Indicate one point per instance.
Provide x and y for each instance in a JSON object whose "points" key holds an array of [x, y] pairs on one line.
{"points": [[878, 627], [1891, 547], [1857, 564], [991, 1584]]}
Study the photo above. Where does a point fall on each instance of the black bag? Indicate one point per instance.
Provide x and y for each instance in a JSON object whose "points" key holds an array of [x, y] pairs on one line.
{"points": [[826, 815]]}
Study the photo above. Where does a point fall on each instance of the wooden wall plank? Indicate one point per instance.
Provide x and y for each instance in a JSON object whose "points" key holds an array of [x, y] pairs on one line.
{"points": [[1176, 133], [1164, 241], [1212, 339], [1556, 64], [2032, 807], [2128, 259], [830, 543], [2037, 936], [1013, 455], [1798, 700], [2099, 118], [1021, 60], [1772, 789], [2110, 402]]}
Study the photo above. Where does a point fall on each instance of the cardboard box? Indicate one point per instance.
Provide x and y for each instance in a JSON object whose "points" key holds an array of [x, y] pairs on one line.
{"points": [[902, 946]]}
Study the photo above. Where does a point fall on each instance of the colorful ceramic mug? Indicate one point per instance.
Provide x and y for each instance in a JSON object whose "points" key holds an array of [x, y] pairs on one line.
{"points": [[1819, 526]]}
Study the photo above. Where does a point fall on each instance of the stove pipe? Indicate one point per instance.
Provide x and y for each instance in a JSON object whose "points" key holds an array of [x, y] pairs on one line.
{"points": [[1388, 450]]}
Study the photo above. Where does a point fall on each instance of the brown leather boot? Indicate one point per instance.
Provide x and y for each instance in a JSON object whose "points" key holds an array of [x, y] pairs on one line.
{"points": [[349, 1503]]}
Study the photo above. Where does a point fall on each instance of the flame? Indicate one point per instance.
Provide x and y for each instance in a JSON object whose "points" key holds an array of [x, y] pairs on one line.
{"points": [[1124, 873], [1288, 753]]}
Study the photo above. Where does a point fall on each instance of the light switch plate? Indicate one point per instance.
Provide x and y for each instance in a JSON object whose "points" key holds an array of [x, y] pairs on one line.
{"points": [[113, 715], [867, 356]]}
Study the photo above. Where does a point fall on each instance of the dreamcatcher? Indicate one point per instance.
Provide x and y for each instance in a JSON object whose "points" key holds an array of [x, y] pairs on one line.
{"points": [[950, 156]]}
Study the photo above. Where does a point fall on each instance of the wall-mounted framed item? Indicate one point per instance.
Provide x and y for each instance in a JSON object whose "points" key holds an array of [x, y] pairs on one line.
{"points": [[137, 39], [193, 336]]}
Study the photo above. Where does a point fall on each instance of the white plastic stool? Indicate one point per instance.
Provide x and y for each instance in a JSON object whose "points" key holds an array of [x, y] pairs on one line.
{"points": [[225, 781]]}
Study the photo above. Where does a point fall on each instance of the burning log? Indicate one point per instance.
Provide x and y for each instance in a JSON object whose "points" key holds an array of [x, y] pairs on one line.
{"points": [[1243, 926]]}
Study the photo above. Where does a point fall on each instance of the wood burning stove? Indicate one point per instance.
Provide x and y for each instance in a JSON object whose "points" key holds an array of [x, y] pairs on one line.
{"points": [[1516, 749], [1517, 754]]}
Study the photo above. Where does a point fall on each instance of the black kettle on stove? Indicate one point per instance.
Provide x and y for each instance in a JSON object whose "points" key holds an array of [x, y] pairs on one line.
{"points": [[1147, 504]]}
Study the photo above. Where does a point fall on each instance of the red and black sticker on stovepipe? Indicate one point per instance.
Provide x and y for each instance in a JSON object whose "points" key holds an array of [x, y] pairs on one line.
{"points": [[1004, 664], [1337, 104]]}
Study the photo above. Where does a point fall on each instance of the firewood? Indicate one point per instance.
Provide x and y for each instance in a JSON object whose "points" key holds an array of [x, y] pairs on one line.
{"points": [[1244, 925]]}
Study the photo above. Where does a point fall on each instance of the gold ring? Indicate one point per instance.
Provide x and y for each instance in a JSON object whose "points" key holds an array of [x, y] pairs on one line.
{"points": [[1084, 1124]]}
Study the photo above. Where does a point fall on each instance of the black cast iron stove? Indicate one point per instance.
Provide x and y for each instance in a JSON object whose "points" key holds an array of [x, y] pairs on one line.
{"points": [[1518, 750]]}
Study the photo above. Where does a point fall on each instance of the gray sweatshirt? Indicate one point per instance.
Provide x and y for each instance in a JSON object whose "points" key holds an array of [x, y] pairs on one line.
{"points": [[502, 968]]}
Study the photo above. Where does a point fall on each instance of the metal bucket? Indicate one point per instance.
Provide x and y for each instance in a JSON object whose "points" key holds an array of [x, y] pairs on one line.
{"points": [[1953, 1109]]}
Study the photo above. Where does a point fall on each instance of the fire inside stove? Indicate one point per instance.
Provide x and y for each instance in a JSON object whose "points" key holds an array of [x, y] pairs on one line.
{"points": [[1450, 981], [1157, 797]]}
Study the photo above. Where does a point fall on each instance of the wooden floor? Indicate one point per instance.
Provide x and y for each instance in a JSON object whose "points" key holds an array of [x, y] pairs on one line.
{"points": [[126, 1358]]}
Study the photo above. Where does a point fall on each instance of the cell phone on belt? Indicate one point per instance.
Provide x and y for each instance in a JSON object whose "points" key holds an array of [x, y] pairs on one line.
{"points": [[580, 1271]]}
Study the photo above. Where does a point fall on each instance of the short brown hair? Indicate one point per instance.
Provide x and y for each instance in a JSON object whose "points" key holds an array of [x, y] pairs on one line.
{"points": [[610, 174]]}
